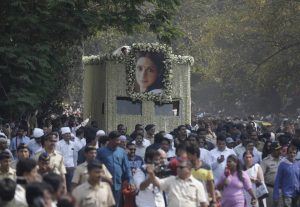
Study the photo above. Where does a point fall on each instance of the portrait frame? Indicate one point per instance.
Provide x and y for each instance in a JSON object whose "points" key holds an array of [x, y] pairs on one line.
{"points": [[164, 76], [129, 60]]}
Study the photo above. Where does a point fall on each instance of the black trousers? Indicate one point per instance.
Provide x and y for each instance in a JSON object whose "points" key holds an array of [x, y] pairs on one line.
{"points": [[69, 176]]}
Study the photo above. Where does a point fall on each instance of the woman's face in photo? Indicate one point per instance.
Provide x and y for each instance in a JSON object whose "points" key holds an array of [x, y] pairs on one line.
{"points": [[146, 73]]}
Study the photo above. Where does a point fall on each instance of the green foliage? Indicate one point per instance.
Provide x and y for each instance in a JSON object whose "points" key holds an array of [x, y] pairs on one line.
{"points": [[37, 37], [251, 49]]}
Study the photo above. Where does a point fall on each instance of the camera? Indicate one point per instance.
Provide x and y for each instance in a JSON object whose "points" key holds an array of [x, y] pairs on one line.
{"points": [[162, 171]]}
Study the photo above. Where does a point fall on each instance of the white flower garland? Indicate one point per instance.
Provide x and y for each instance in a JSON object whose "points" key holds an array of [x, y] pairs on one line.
{"points": [[130, 61], [97, 59]]}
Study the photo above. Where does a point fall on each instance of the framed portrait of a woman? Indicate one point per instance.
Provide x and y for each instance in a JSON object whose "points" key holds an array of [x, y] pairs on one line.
{"points": [[149, 71]]}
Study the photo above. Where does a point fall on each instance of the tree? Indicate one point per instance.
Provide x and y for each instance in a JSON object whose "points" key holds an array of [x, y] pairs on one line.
{"points": [[245, 51], [249, 48], [37, 37]]}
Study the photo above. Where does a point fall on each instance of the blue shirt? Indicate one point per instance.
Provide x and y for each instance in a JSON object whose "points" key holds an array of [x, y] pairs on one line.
{"points": [[287, 179], [14, 143], [116, 162], [136, 162]]}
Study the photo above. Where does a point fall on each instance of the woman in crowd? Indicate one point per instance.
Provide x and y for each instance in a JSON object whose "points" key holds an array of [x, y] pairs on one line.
{"points": [[233, 183], [255, 173]]}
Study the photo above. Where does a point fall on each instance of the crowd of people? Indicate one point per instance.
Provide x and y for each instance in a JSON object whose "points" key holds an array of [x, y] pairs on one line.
{"points": [[213, 162]]}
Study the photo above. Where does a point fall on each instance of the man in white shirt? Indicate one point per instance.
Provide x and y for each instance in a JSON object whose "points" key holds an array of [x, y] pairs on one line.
{"points": [[79, 138], [218, 157], [241, 148], [204, 153], [148, 194], [183, 190], [78, 144], [67, 149], [34, 145], [141, 145]]}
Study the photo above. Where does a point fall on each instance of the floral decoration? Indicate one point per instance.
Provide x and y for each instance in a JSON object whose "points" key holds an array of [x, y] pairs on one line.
{"points": [[130, 62], [97, 59]]}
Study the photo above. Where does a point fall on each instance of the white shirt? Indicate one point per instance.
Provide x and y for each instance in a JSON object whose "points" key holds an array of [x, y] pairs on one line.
{"points": [[67, 151], [79, 143], [204, 155], [218, 168], [298, 156], [195, 128], [78, 146], [253, 174], [33, 146], [239, 150], [171, 153], [146, 142], [183, 193], [149, 197], [140, 150], [20, 196], [83, 141]]}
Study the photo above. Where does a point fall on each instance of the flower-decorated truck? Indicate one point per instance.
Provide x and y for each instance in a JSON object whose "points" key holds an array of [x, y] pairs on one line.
{"points": [[113, 88]]}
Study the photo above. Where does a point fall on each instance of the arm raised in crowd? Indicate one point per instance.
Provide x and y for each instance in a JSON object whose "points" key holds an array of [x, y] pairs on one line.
{"points": [[151, 178]]}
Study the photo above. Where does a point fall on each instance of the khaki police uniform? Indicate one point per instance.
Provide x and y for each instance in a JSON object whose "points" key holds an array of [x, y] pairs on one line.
{"points": [[189, 192], [11, 173], [81, 173], [94, 196], [56, 162], [269, 166]]}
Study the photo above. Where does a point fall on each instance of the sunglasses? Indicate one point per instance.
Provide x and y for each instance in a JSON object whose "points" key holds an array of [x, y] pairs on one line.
{"points": [[181, 167]]}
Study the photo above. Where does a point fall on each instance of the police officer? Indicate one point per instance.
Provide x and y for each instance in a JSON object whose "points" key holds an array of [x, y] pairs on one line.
{"points": [[81, 171], [94, 192], [269, 166]]}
